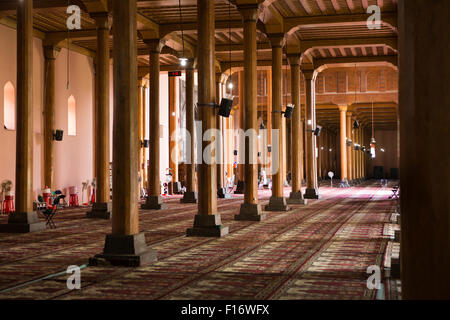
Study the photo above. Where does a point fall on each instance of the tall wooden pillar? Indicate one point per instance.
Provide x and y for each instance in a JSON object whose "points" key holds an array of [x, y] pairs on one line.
{"points": [[277, 200], [154, 199], [296, 159], [425, 174], [24, 219], [102, 206], [207, 221], [343, 139], [353, 151], [250, 209], [349, 144], [125, 245], [50, 53], [312, 187], [190, 196], [325, 153], [144, 135], [358, 155], [141, 101], [221, 191], [173, 132], [241, 120]]}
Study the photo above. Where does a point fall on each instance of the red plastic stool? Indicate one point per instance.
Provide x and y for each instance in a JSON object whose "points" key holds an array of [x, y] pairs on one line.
{"points": [[73, 200], [8, 204]]}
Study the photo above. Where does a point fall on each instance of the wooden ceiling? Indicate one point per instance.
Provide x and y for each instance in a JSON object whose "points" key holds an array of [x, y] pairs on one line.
{"points": [[327, 32]]}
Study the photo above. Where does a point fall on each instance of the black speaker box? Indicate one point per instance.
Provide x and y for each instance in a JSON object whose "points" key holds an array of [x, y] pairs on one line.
{"points": [[225, 107], [58, 135]]}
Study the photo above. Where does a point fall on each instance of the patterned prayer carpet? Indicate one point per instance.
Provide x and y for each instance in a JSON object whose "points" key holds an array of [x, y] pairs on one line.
{"points": [[317, 251]]}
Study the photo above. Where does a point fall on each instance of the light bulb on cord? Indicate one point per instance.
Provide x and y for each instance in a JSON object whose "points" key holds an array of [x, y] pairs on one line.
{"points": [[183, 61], [230, 85]]}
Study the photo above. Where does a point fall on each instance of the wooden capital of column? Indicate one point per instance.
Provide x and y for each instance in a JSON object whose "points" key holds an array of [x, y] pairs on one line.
{"points": [[51, 51], [249, 12], [154, 45], [276, 40], [103, 20], [294, 59]]}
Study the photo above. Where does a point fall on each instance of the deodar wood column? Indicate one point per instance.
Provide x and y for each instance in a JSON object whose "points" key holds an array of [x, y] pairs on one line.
{"points": [[154, 199], [250, 209], [125, 246], [207, 221], [140, 95], [173, 132], [277, 200], [296, 196], [343, 139], [50, 54], [349, 147], [312, 188], [424, 104], [24, 219], [102, 205], [220, 151], [190, 196]]}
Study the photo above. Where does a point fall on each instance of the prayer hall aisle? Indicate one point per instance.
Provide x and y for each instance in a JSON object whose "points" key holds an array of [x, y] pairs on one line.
{"points": [[319, 251]]}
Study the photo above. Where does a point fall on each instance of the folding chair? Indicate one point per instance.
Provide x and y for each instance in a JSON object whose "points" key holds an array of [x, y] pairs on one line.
{"points": [[395, 194], [50, 211]]}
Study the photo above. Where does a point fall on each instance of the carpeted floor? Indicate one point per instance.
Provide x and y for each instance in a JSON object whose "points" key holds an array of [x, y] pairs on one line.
{"points": [[317, 251]]}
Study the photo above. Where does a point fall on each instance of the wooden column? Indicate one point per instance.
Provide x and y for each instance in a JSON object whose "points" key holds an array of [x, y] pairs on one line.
{"points": [[154, 199], [241, 120], [125, 246], [144, 135], [24, 219], [353, 151], [207, 221], [424, 163], [343, 139], [296, 196], [349, 148], [325, 153], [221, 191], [358, 156], [140, 95], [250, 209], [50, 54], [312, 187], [173, 133], [190, 196], [102, 206], [277, 200]]}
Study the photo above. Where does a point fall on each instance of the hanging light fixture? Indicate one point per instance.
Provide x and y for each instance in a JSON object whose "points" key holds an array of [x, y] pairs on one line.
{"points": [[373, 141], [183, 60], [230, 82]]}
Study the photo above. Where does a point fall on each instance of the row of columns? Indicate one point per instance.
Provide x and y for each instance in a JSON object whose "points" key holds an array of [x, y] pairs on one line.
{"points": [[353, 162], [207, 96], [425, 259]]}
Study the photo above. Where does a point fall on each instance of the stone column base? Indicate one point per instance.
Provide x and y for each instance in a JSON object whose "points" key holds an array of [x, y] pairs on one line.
{"points": [[189, 197], [207, 226], [312, 194], [100, 210], [23, 222], [277, 204], [296, 198], [250, 212], [222, 193], [239, 188], [154, 203], [125, 250]]}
